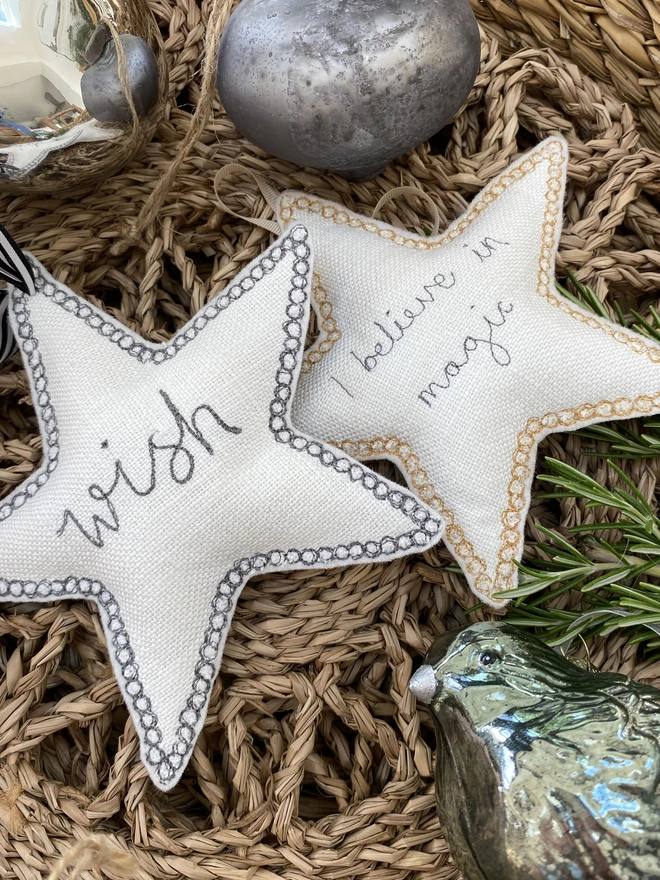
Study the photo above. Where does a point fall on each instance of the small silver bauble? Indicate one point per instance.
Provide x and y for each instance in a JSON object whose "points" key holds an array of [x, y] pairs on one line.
{"points": [[102, 93], [60, 94], [346, 85]]}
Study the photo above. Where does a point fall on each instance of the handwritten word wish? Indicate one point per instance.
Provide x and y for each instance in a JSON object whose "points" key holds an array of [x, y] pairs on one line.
{"points": [[181, 463]]}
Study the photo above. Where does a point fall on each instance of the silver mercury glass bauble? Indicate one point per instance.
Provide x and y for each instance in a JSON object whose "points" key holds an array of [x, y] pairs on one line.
{"points": [[346, 85], [100, 84], [544, 771], [63, 113]]}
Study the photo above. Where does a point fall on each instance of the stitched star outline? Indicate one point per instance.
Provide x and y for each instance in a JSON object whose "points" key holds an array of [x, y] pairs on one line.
{"points": [[348, 299], [407, 524]]}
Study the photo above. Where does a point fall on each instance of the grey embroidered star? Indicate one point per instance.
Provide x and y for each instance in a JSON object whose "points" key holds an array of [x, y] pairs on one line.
{"points": [[172, 474]]}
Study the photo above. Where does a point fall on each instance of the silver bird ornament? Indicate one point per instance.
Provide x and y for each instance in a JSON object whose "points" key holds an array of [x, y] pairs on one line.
{"points": [[544, 771]]}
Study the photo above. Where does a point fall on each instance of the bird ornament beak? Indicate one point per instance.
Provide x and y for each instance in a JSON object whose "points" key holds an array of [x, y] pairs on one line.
{"points": [[424, 684]]}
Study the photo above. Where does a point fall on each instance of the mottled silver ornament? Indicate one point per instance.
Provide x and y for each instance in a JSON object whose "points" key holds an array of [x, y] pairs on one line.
{"points": [[346, 85], [49, 137], [544, 771], [100, 84]]}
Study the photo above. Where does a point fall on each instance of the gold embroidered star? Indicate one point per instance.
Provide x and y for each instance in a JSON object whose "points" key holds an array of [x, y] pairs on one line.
{"points": [[454, 355]]}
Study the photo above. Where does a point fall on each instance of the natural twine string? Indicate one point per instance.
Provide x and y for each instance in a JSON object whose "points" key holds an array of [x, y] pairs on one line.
{"points": [[220, 11], [122, 70], [94, 852]]}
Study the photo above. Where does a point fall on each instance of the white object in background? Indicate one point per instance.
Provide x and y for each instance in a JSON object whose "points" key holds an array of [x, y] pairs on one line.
{"points": [[23, 158]]}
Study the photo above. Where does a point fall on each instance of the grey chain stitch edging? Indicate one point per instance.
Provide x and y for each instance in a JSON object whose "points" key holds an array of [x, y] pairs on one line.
{"points": [[30, 347], [426, 526]]}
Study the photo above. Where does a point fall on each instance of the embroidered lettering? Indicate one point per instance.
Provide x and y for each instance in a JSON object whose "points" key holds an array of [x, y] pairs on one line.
{"points": [[181, 466], [487, 247], [498, 352], [394, 329]]}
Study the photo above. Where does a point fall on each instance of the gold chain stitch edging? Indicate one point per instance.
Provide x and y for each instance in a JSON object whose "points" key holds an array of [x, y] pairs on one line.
{"points": [[331, 334], [527, 440], [392, 447]]}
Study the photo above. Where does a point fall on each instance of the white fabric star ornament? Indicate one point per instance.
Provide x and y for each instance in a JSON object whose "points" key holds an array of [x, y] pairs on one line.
{"points": [[172, 474], [454, 355]]}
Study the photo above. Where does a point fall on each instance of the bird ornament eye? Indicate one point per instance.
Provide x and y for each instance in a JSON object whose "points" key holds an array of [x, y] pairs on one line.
{"points": [[488, 658]]}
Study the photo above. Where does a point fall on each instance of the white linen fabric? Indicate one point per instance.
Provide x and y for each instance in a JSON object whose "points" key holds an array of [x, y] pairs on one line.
{"points": [[172, 474], [454, 355]]}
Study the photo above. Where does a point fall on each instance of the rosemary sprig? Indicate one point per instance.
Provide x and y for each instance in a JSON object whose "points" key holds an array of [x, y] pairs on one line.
{"points": [[621, 579], [583, 295], [613, 567]]}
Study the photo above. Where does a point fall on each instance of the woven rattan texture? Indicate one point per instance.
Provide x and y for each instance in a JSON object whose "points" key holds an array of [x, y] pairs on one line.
{"points": [[617, 42], [314, 761]]}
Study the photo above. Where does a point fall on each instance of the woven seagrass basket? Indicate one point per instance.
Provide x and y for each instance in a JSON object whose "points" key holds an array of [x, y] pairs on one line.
{"points": [[314, 761]]}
